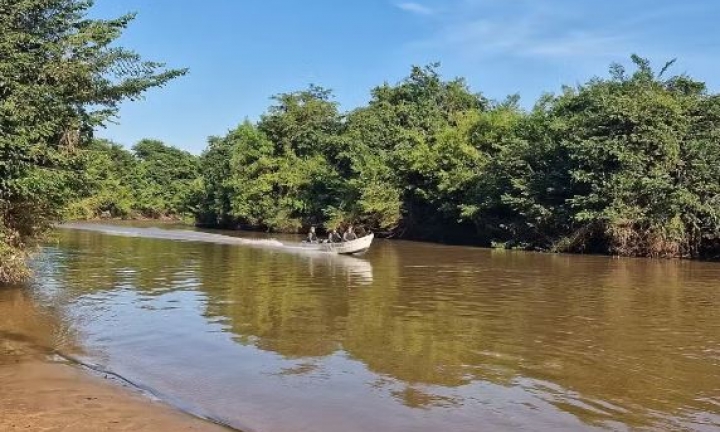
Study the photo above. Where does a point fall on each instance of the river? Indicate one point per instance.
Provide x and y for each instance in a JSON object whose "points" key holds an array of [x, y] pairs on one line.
{"points": [[410, 337]]}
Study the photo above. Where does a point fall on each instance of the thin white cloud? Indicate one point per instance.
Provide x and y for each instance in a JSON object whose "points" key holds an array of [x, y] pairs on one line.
{"points": [[578, 44], [525, 37], [416, 8], [481, 29]]}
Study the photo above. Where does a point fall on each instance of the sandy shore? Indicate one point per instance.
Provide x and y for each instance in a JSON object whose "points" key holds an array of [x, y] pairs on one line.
{"points": [[37, 394]]}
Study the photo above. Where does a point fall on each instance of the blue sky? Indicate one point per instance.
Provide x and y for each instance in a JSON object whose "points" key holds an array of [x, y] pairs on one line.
{"points": [[241, 52]]}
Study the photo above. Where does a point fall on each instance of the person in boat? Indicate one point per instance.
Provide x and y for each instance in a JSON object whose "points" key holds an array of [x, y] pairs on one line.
{"points": [[360, 231], [312, 236], [334, 236], [350, 234]]}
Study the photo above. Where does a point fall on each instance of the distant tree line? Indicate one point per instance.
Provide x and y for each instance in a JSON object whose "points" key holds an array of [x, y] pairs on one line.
{"points": [[152, 180], [628, 164]]}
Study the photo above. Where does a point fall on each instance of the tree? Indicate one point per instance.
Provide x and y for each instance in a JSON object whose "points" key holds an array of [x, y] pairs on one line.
{"points": [[408, 146], [60, 77], [622, 165], [108, 179], [283, 173], [214, 206], [626, 139], [305, 129], [166, 180]]}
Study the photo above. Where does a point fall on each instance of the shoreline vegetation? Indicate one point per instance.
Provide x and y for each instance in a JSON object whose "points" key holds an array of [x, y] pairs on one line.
{"points": [[626, 165]]}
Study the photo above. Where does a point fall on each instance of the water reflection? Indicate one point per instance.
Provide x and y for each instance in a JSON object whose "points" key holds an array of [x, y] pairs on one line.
{"points": [[456, 338], [356, 270]]}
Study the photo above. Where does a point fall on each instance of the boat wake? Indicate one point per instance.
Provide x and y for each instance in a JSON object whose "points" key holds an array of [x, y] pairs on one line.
{"points": [[171, 234], [360, 269]]}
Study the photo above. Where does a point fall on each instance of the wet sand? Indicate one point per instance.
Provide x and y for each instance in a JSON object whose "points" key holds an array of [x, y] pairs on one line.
{"points": [[40, 396], [37, 394]]}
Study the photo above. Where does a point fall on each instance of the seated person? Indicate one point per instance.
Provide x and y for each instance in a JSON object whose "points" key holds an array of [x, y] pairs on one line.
{"points": [[349, 234], [334, 236], [312, 237]]}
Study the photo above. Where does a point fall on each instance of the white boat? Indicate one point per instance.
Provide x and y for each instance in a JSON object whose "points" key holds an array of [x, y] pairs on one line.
{"points": [[351, 247]]}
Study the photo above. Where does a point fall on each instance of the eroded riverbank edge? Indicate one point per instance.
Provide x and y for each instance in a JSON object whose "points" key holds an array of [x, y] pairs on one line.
{"points": [[41, 392]]}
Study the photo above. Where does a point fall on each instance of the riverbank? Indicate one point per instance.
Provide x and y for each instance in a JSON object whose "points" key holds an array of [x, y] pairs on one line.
{"points": [[42, 396], [38, 394]]}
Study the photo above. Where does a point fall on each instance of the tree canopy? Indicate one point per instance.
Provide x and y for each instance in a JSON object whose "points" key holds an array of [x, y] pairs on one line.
{"points": [[61, 76], [625, 164]]}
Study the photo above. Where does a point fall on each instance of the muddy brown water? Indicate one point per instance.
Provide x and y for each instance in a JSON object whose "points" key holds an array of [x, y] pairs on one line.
{"points": [[410, 337]]}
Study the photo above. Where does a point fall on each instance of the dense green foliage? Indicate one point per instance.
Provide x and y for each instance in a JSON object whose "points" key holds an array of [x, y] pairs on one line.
{"points": [[628, 164], [152, 181], [60, 77]]}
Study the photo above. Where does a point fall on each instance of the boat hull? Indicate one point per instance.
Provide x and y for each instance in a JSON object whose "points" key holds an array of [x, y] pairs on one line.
{"points": [[352, 247]]}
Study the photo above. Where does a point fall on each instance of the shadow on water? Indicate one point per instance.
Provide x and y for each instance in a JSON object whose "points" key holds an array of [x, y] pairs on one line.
{"points": [[424, 337]]}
